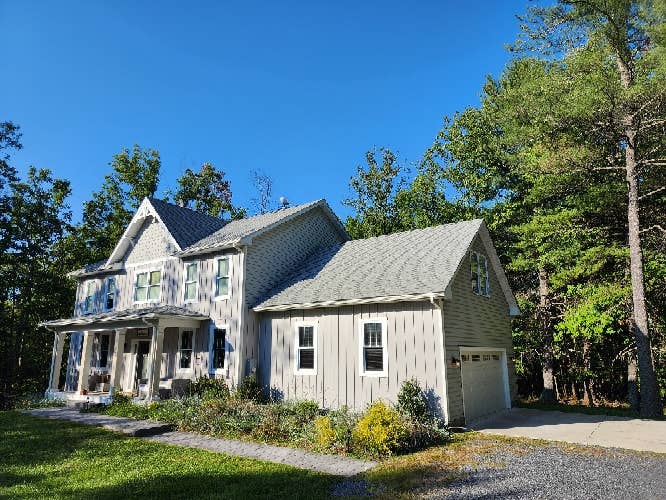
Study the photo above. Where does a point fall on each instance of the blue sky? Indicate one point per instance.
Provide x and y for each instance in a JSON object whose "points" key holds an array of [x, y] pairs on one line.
{"points": [[298, 90]]}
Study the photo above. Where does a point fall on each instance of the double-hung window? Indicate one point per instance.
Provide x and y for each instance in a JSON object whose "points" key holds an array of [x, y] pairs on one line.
{"points": [[185, 346], [306, 349], [479, 274], [373, 342], [218, 338], [110, 294], [148, 286], [222, 278], [89, 298], [191, 281]]}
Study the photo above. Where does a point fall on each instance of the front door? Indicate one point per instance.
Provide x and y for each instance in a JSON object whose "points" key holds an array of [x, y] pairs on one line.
{"points": [[141, 351]]}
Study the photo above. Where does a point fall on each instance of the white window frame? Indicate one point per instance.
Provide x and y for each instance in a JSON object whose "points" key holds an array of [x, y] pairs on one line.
{"points": [[361, 345], [211, 336], [475, 260], [108, 353], [196, 294], [228, 294], [106, 292], [89, 285], [190, 370], [136, 280], [315, 329]]}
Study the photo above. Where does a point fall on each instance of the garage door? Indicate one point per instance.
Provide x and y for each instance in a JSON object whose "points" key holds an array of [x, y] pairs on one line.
{"points": [[483, 383]]}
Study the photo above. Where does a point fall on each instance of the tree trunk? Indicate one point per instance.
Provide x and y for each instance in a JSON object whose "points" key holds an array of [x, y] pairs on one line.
{"points": [[651, 405], [588, 389], [548, 393], [632, 383]]}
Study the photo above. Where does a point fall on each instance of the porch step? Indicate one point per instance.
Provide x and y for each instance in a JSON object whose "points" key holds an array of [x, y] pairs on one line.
{"points": [[128, 426]]}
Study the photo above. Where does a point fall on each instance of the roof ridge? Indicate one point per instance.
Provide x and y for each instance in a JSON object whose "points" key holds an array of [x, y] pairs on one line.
{"points": [[418, 229]]}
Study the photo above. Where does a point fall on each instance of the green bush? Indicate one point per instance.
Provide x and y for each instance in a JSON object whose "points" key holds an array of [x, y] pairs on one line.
{"points": [[381, 431], [249, 389], [305, 411], [209, 388], [412, 402]]}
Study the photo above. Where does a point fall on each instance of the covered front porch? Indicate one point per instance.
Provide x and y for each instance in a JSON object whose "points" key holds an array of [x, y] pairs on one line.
{"points": [[139, 352]]}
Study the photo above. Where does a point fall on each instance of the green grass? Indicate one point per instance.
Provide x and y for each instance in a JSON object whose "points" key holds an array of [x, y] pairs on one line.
{"points": [[41, 458], [616, 411]]}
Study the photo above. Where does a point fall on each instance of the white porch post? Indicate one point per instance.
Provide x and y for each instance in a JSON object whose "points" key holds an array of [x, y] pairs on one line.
{"points": [[56, 361], [117, 362], [155, 362], [86, 356]]}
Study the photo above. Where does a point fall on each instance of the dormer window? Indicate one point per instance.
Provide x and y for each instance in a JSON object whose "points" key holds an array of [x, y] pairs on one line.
{"points": [[89, 299], [110, 294], [148, 286], [479, 270]]}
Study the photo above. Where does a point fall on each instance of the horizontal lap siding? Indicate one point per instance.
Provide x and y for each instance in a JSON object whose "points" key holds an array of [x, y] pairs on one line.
{"points": [[413, 343], [474, 321]]}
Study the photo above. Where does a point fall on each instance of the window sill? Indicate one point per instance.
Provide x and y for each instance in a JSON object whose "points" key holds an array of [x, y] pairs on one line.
{"points": [[375, 374], [305, 372], [146, 302], [221, 297]]}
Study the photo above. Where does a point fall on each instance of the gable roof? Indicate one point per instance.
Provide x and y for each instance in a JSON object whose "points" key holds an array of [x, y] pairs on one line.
{"points": [[411, 265], [242, 231], [185, 225]]}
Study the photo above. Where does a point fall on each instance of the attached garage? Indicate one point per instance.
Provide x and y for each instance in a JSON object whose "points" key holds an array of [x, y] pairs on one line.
{"points": [[485, 382]]}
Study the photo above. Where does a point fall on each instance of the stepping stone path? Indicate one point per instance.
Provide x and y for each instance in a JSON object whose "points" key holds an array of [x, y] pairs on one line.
{"points": [[162, 433]]}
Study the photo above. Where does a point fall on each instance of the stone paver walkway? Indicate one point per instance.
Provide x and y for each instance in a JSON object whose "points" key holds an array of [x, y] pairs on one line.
{"points": [[161, 433]]}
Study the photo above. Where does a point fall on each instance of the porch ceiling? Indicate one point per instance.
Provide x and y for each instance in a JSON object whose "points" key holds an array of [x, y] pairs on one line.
{"points": [[125, 318]]}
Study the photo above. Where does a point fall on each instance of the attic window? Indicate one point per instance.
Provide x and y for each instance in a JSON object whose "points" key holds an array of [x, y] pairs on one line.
{"points": [[479, 272]]}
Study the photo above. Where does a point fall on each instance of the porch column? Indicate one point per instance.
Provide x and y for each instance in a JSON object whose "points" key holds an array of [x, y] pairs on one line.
{"points": [[56, 361], [86, 356], [155, 362], [117, 362]]}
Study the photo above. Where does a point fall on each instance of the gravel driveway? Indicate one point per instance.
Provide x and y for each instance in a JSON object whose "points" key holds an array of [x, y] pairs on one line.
{"points": [[557, 472]]}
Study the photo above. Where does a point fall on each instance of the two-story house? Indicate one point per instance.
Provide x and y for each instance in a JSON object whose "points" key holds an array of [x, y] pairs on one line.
{"points": [[288, 297]]}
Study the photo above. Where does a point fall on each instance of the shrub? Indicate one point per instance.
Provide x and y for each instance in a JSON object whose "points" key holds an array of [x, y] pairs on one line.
{"points": [[382, 431], [209, 388], [412, 402], [249, 389], [305, 411], [273, 425], [325, 435], [344, 423]]}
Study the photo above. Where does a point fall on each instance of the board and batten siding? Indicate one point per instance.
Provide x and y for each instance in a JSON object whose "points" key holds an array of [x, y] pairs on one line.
{"points": [[472, 320], [414, 350]]}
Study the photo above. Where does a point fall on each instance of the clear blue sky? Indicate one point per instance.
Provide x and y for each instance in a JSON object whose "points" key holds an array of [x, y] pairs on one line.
{"points": [[299, 90]]}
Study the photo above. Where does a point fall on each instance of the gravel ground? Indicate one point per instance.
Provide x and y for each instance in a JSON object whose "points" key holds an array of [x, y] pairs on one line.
{"points": [[554, 472]]}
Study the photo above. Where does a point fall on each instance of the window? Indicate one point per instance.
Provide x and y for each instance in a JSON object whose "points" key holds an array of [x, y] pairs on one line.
{"points": [[218, 348], [185, 343], [222, 278], [373, 347], [464, 357], [496, 357], [110, 294], [89, 299], [104, 350], [476, 357], [486, 357], [148, 285], [191, 281], [479, 271], [306, 348]]}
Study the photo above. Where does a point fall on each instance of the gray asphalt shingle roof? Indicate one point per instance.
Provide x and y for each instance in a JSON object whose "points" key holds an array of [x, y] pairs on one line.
{"points": [[414, 262], [126, 314], [185, 225]]}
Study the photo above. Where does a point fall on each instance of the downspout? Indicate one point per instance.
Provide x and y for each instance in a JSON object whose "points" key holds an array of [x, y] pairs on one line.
{"points": [[445, 385], [241, 307]]}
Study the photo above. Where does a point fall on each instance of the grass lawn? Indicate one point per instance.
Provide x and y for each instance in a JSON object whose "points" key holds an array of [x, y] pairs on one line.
{"points": [[617, 411], [42, 458]]}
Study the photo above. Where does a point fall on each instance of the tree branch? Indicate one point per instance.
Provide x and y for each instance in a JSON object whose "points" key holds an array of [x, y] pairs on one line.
{"points": [[655, 191], [656, 226]]}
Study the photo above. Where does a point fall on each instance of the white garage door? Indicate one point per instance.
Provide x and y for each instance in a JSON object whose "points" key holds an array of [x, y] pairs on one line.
{"points": [[483, 383]]}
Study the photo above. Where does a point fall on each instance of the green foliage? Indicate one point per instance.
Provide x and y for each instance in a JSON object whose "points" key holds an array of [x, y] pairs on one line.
{"points": [[412, 402], [381, 431], [324, 432], [205, 191], [250, 389], [209, 388]]}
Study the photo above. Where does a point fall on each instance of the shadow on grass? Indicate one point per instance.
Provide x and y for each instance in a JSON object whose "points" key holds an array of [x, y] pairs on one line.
{"points": [[47, 458]]}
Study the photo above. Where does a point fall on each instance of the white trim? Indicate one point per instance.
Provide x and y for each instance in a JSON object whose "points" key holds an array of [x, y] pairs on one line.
{"points": [[240, 356], [443, 359], [315, 331], [211, 332], [136, 279], [196, 282], [505, 372], [216, 267], [361, 345], [352, 302], [151, 262], [185, 371], [106, 293]]}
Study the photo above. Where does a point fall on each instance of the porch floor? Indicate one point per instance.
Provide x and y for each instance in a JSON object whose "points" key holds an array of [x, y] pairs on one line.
{"points": [[329, 464]]}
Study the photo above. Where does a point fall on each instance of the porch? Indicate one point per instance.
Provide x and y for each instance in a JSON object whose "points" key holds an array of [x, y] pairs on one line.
{"points": [[141, 352]]}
